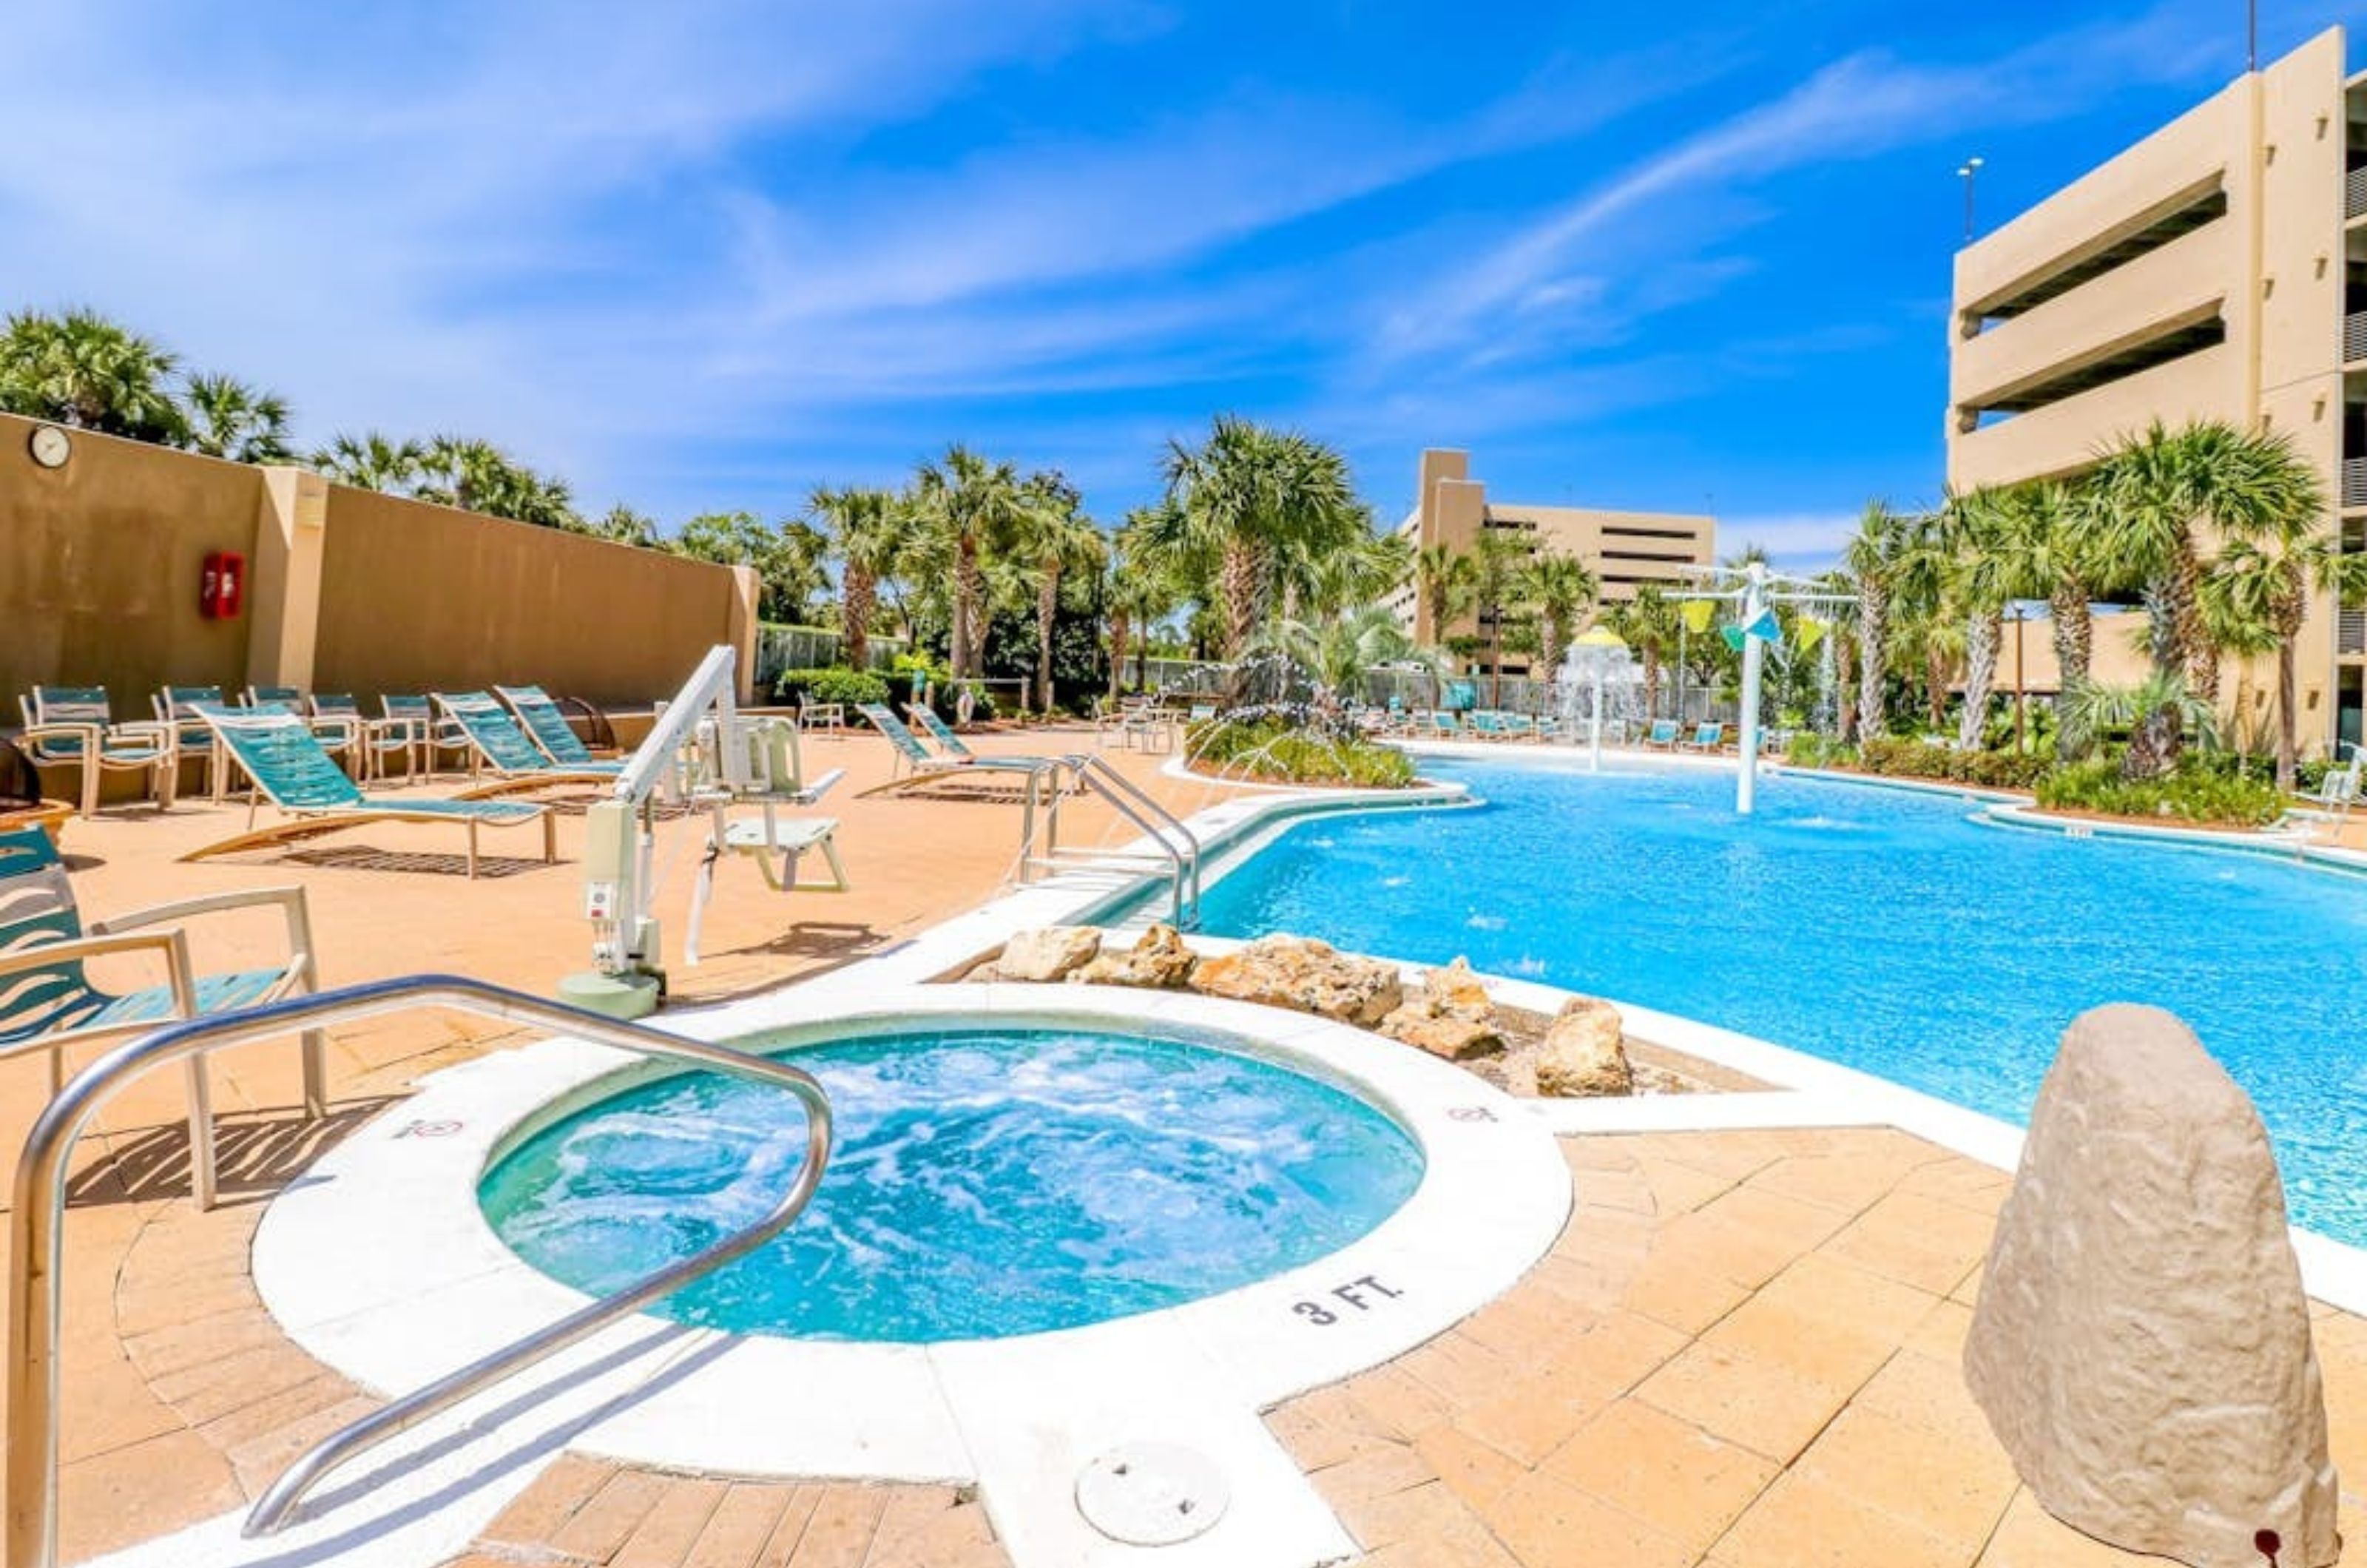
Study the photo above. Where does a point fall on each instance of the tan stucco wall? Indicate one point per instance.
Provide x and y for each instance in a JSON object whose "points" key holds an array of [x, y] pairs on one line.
{"points": [[99, 566], [419, 598], [348, 590]]}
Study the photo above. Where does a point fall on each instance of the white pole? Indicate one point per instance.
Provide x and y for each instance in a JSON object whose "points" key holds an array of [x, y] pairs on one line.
{"points": [[1755, 604], [1595, 765]]}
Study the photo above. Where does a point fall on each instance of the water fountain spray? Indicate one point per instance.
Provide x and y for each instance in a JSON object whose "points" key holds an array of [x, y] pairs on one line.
{"points": [[1601, 678]]}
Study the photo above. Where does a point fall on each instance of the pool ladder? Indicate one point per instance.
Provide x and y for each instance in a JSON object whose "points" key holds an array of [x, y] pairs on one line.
{"points": [[1174, 854], [36, 1231]]}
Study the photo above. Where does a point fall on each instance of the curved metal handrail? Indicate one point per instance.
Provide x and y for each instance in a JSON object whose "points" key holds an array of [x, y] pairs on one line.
{"points": [[1137, 808], [36, 1230]]}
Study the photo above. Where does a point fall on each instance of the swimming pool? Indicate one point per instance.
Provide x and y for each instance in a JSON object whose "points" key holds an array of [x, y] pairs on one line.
{"points": [[986, 1182], [1872, 927]]}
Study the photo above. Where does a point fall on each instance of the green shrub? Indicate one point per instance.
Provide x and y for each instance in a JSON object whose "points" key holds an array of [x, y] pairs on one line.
{"points": [[1274, 751], [2198, 793], [837, 685], [1921, 760]]}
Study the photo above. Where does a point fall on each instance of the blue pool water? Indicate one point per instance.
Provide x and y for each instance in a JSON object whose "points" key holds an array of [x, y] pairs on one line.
{"points": [[986, 1182], [1871, 926]]}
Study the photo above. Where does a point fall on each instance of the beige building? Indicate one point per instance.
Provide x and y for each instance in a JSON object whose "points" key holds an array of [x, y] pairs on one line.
{"points": [[2215, 270], [1621, 548]]}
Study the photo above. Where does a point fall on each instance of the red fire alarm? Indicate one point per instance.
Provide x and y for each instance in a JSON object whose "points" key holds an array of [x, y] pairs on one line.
{"points": [[223, 586]]}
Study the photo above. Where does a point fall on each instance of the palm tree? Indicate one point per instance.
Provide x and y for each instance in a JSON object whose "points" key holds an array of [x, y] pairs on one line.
{"points": [[2139, 710], [1442, 582], [870, 531], [969, 505], [79, 369], [1499, 582], [1141, 590], [370, 461], [1248, 507], [2256, 595], [1874, 559], [620, 524], [1339, 651], [2022, 543], [230, 419], [1648, 624], [1562, 588], [1053, 536]]}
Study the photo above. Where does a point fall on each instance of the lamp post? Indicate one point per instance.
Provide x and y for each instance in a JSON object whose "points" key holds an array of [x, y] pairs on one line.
{"points": [[1969, 171]]}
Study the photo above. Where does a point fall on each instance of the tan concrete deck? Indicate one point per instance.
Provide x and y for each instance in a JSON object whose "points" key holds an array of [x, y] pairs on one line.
{"points": [[1740, 1353]]}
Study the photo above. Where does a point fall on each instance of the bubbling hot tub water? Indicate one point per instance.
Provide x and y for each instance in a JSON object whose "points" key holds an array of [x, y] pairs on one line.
{"points": [[986, 1182]]}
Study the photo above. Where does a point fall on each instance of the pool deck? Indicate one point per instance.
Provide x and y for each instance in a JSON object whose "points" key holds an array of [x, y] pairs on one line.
{"points": [[1741, 1352]]}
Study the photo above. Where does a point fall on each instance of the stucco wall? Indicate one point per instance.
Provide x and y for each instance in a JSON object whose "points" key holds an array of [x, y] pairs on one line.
{"points": [[421, 598], [348, 590], [99, 565]]}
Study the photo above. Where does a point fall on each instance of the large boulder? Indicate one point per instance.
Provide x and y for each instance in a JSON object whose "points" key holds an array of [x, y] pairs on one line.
{"points": [[1158, 959], [1453, 1017], [2142, 1344], [1305, 976], [1051, 953], [1584, 1053]]}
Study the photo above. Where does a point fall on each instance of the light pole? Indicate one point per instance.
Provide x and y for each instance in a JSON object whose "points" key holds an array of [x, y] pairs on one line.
{"points": [[1969, 171]]}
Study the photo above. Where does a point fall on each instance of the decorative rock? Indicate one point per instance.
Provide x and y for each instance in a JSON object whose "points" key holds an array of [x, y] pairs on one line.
{"points": [[1443, 1035], [1584, 1053], [2142, 1343], [1455, 992], [1453, 1017], [1158, 959], [1048, 953], [1305, 976]]}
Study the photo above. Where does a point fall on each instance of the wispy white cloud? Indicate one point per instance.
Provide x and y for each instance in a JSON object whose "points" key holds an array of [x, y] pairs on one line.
{"points": [[1799, 541]]}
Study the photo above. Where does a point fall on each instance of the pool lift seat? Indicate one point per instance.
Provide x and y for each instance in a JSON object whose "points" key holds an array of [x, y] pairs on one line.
{"points": [[775, 778], [703, 754]]}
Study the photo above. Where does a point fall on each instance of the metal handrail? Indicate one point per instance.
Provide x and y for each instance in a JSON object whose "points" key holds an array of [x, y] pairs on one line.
{"points": [[1086, 761], [36, 1223]]}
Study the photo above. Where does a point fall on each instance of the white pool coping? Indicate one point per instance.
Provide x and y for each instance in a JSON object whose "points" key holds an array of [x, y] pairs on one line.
{"points": [[1020, 1427], [381, 1265]]}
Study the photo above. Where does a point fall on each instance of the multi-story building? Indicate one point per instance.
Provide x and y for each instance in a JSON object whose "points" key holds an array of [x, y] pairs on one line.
{"points": [[2217, 270], [1621, 548]]}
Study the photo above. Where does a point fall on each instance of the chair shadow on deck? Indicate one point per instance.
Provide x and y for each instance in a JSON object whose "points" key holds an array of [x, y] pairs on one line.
{"points": [[256, 1153], [362, 857], [829, 944]]}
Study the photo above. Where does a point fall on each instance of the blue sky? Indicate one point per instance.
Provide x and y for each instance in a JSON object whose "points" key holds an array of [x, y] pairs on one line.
{"points": [[708, 255]]}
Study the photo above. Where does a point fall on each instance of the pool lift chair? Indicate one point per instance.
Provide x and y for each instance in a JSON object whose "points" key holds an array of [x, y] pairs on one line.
{"points": [[702, 752]]}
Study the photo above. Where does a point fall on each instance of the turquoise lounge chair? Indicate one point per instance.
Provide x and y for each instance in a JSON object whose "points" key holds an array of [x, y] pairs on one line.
{"points": [[941, 732], [434, 736], [48, 1002], [1708, 736], [1662, 735], [1443, 722], [915, 762], [1488, 724], [75, 725], [375, 739], [175, 706], [280, 753], [498, 743], [547, 726]]}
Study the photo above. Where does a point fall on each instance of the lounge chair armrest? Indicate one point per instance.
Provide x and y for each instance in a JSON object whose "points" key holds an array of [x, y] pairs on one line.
{"points": [[815, 788], [293, 906], [173, 945], [345, 727], [163, 737], [88, 734]]}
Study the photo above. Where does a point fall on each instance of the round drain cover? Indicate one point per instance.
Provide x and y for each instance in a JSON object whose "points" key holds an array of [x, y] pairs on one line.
{"points": [[1151, 1494]]}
